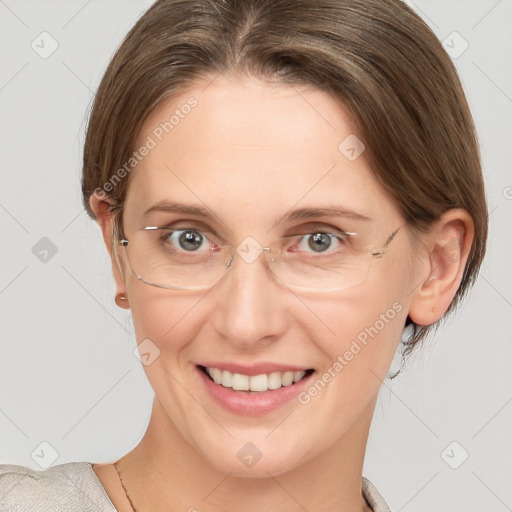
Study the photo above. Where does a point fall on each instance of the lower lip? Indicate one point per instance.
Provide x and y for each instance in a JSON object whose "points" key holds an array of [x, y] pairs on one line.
{"points": [[252, 403]]}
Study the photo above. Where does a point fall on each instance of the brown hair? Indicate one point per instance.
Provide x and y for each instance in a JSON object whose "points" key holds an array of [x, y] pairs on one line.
{"points": [[377, 56]]}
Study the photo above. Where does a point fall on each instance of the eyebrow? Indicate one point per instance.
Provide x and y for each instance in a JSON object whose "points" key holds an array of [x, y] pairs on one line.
{"points": [[300, 213], [332, 211], [169, 206]]}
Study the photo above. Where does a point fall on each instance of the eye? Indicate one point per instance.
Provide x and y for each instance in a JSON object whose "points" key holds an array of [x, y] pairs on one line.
{"points": [[189, 240], [319, 242]]}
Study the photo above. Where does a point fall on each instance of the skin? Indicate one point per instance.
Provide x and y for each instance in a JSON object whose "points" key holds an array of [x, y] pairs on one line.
{"points": [[245, 142]]}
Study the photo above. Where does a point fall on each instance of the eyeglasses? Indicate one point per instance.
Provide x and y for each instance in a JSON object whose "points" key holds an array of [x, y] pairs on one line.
{"points": [[189, 259]]}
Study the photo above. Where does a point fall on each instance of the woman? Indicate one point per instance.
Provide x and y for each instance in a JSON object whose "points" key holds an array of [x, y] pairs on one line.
{"points": [[264, 178]]}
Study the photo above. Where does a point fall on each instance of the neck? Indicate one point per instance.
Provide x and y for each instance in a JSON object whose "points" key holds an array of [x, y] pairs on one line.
{"points": [[164, 472]]}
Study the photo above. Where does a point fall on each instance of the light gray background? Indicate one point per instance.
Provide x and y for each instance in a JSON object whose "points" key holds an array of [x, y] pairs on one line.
{"points": [[68, 376]]}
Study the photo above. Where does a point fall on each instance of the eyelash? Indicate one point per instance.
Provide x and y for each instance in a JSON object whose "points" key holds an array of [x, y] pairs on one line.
{"points": [[342, 237], [311, 228]]}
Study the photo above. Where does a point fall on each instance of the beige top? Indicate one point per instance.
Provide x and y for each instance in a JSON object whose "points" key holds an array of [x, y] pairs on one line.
{"points": [[74, 487]]}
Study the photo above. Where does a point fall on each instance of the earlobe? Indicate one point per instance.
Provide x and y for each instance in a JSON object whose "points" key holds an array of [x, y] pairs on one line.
{"points": [[449, 243], [122, 300], [104, 218]]}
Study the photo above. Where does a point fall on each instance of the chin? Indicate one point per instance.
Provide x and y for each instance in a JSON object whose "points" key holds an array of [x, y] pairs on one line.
{"points": [[248, 461], [261, 469]]}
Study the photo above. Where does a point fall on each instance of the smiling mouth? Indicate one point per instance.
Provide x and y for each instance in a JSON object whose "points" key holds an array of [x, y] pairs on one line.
{"points": [[254, 383]]}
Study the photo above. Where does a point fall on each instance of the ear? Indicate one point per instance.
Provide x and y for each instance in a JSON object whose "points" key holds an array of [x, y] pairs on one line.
{"points": [[448, 246], [104, 218]]}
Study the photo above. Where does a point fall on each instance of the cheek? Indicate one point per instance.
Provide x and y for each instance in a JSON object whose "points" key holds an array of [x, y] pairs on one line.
{"points": [[357, 334], [169, 320], [354, 360], [362, 327]]}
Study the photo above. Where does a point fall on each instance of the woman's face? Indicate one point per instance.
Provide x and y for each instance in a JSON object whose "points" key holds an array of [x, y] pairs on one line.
{"points": [[251, 154]]}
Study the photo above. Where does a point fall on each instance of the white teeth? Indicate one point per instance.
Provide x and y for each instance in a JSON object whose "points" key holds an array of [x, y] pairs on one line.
{"points": [[287, 378], [226, 379], [258, 382], [262, 382], [240, 382], [298, 375], [274, 380], [217, 375]]}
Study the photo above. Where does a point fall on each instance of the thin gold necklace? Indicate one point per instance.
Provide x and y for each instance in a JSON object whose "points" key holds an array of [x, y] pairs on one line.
{"points": [[125, 491]]}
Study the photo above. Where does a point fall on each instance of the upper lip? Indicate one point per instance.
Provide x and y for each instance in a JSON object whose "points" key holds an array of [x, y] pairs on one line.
{"points": [[253, 369]]}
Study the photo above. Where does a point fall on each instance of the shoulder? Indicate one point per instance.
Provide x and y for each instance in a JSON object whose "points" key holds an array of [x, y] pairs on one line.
{"points": [[374, 497], [69, 487]]}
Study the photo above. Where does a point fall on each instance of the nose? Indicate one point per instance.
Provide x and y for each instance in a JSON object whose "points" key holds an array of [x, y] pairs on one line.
{"points": [[251, 307]]}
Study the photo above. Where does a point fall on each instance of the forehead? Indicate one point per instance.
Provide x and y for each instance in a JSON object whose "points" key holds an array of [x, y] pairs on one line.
{"points": [[254, 150]]}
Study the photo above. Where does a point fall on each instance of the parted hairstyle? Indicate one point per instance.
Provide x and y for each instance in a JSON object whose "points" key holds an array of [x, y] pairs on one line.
{"points": [[377, 57]]}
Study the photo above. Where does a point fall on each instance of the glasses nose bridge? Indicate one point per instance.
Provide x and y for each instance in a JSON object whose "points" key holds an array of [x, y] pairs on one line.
{"points": [[249, 250], [270, 254]]}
